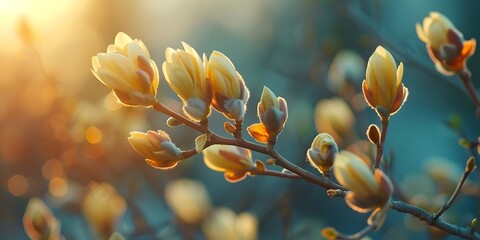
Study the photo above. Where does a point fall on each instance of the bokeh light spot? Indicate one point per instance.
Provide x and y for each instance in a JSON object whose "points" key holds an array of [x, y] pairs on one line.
{"points": [[58, 187], [93, 135], [17, 185], [52, 168]]}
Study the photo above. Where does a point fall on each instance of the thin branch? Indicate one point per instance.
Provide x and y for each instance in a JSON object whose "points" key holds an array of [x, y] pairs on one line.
{"points": [[279, 160], [165, 110], [460, 183], [275, 173], [464, 232], [383, 136], [466, 78]]}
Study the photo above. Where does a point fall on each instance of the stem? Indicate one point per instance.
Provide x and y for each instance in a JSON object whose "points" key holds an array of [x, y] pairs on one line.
{"points": [[279, 160], [466, 77], [383, 136], [464, 232], [450, 201], [163, 109], [275, 173]]}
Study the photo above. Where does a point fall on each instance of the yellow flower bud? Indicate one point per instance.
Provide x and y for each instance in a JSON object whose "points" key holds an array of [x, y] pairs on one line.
{"points": [[383, 88], [273, 113], [184, 72], [223, 223], [157, 148], [233, 160], [127, 69], [188, 199], [367, 191], [39, 222], [322, 152], [445, 44], [230, 95], [336, 118], [103, 207]]}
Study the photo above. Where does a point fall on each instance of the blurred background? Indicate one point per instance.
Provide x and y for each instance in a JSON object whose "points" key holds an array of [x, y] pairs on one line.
{"points": [[63, 136]]}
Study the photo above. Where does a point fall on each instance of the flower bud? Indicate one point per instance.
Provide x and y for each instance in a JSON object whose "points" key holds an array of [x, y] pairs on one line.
{"points": [[39, 222], [334, 116], [157, 148], [367, 191], [445, 44], [127, 69], [233, 160], [383, 88], [103, 207], [184, 72], [273, 113], [322, 152], [230, 95], [223, 223], [188, 199]]}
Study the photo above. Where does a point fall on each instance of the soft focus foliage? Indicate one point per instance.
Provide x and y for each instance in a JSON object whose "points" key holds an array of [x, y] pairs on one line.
{"points": [[188, 199], [102, 207]]}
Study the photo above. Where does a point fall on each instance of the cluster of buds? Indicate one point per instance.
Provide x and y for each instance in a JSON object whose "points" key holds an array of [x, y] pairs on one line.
{"points": [[157, 148], [234, 161], [383, 88], [445, 44], [322, 153], [273, 113], [127, 69]]}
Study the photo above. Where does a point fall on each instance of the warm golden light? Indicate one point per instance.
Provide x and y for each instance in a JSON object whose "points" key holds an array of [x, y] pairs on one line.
{"points": [[52, 168], [93, 135], [58, 187], [17, 185]]}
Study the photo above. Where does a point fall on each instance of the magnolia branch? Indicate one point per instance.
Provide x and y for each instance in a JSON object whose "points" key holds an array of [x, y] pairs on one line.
{"points": [[399, 206], [464, 232]]}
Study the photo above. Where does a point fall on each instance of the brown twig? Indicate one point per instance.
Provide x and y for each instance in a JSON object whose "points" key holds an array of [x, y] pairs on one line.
{"points": [[383, 136], [466, 78], [455, 193], [463, 232], [275, 174]]}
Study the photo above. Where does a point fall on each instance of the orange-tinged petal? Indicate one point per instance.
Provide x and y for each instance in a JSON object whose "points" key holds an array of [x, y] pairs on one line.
{"points": [[162, 165], [258, 132]]}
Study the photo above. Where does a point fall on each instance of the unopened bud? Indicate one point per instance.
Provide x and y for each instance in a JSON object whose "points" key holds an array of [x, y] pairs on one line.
{"points": [[470, 165], [329, 233], [474, 223], [373, 134], [322, 152]]}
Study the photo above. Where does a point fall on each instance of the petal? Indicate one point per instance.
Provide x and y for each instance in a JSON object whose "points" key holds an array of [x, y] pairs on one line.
{"points": [[358, 205], [234, 177], [468, 48], [122, 39], [421, 34], [162, 165]]}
